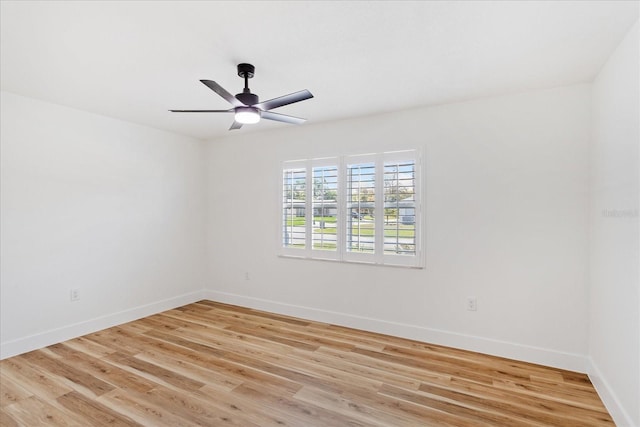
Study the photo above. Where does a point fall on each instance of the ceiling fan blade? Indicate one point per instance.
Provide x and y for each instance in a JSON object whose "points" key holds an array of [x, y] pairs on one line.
{"points": [[282, 118], [202, 111], [284, 100], [235, 125], [222, 92]]}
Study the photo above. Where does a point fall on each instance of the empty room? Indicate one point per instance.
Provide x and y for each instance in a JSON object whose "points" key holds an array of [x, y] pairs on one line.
{"points": [[320, 213]]}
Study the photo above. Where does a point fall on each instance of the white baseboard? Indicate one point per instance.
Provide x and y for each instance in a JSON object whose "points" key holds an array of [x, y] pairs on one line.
{"points": [[36, 341], [542, 356], [620, 416]]}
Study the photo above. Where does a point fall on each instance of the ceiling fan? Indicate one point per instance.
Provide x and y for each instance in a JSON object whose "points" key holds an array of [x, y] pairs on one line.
{"points": [[246, 105]]}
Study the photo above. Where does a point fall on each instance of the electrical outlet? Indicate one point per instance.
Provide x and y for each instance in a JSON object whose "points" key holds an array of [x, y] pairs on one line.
{"points": [[472, 303], [74, 294], [246, 275]]}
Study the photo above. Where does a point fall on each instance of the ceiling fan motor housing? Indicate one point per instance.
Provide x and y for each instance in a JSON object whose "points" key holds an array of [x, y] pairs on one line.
{"points": [[247, 98]]}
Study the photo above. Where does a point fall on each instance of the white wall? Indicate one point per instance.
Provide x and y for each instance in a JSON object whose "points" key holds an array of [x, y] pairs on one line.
{"points": [[614, 319], [506, 221], [113, 209]]}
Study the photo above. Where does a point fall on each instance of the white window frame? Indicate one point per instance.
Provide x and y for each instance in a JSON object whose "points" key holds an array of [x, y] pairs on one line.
{"points": [[341, 253], [405, 260], [290, 251], [350, 256]]}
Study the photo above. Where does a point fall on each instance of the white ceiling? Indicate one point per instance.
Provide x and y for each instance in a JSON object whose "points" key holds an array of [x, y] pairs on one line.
{"points": [[135, 60]]}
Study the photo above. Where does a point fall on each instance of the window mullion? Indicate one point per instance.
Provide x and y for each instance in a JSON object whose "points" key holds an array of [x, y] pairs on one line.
{"points": [[379, 210], [418, 209], [341, 209], [308, 209]]}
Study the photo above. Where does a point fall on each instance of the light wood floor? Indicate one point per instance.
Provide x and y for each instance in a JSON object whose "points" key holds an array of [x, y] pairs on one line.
{"points": [[214, 364]]}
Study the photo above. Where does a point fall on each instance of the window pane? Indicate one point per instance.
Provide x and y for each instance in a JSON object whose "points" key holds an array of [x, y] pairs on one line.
{"points": [[325, 208], [360, 225], [399, 208], [293, 209]]}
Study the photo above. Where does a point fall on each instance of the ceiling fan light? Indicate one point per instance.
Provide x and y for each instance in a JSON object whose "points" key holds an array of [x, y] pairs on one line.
{"points": [[247, 115]]}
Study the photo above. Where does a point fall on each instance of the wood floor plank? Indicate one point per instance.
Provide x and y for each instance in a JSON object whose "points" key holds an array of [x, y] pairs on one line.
{"points": [[103, 370], [544, 408], [349, 407], [155, 372], [360, 371], [93, 411], [35, 381], [209, 377], [196, 410], [238, 371], [7, 420], [254, 411], [36, 412], [11, 391], [427, 365], [305, 414], [142, 409], [216, 364], [89, 347], [495, 403], [322, 330], [576, 397], [387, 366], [461, 408], [63, 369], [413, 414]]}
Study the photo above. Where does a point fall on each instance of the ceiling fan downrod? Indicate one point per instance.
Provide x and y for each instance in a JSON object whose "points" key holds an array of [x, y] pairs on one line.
{"points": [[247, 71]]}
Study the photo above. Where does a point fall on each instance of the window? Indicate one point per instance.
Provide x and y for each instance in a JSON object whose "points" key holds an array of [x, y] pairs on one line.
{"points": [[357, 208], [295, 196], [325, 209], [400, 203]]}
